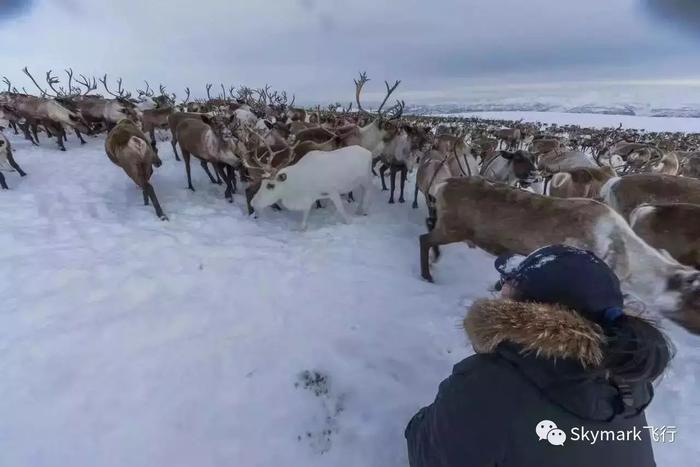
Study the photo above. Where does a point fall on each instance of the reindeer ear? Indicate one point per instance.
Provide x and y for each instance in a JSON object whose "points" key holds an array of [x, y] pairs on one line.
{"points": [[507, 155], [559, 179], [268, 125], [206, 119]]}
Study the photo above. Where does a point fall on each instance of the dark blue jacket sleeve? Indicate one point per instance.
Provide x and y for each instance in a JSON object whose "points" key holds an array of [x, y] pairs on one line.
{"points": [[464, 427]]}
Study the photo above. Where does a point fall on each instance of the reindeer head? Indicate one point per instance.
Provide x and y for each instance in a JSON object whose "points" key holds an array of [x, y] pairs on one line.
{"points": [[523, 166], [687, 312]]}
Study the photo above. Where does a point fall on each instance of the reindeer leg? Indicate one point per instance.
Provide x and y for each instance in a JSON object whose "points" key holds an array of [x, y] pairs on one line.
{"points": [[318, 204], [415, 197], [392, 181], [154, 144], [148, 188], [13, 125], [206, 169], [219, 166], [425, 244], [430, 240], [59, 140], [145, 198], [335, 198], [35, 130], [232, 176], [382, 170], [3, 184], [80, 137], [173, 143], [186, 157], [250, 191], [404, 175], [305, 218], [244, 174], [351, 197], [14, 164], [375, 160]]}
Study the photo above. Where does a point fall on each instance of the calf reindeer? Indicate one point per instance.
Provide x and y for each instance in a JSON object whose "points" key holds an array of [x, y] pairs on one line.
{"points": [[127, 147], [6, 156], [526, 222]]}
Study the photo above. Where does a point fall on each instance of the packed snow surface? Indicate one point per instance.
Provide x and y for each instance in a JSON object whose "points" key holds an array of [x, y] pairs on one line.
{"points": [[217, 339]]}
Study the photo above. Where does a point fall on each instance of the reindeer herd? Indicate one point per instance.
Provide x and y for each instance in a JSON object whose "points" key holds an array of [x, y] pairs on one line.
{"points": [[632, 197]]}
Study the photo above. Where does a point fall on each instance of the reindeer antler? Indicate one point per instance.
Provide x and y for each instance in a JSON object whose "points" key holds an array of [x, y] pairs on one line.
{"points": [[187, 95], [389, 91], [121, 94], [208, 86], [71, 89], [87, 84], [9, 84], [51, 81], [43, 91], [267, 167], [148, 92], [359, 84]]}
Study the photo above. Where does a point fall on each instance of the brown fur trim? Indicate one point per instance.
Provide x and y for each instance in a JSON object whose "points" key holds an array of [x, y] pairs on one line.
{"points": [[549, 331]]}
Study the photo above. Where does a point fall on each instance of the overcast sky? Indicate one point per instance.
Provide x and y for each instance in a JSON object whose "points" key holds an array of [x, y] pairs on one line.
{"points": [[442, 49]]}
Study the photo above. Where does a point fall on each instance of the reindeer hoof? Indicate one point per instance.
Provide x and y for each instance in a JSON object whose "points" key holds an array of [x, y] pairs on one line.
{"points": [[164, 218], [401, 200], [191, 188], [414, 205], [391, 201], [385, 189], [63, 149]]}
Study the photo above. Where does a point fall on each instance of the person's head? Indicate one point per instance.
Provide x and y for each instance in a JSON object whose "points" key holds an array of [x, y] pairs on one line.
{"points": [[635, 349]]}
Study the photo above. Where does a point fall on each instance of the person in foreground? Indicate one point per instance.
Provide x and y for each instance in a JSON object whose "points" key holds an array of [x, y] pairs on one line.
{"points": [[555, 356]]}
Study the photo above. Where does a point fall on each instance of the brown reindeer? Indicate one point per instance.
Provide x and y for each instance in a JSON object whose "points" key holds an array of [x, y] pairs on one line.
{"points": [[153, 119], [127, 147], [212, 142], [627, 193], [501, 219], [674, 228]]}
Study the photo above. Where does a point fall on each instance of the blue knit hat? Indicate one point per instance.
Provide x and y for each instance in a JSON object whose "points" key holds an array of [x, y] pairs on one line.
{"points": [[567, 276]]}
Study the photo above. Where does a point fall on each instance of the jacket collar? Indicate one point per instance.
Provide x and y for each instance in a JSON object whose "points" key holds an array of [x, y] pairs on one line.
{"points": [[548, 331]]}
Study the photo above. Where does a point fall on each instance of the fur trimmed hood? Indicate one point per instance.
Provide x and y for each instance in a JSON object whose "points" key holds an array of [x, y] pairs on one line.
{"points": [[548, 331]]}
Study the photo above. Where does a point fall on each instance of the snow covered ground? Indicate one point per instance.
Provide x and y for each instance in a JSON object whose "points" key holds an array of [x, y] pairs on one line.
{"points": [[219, 340], [687, 125]]}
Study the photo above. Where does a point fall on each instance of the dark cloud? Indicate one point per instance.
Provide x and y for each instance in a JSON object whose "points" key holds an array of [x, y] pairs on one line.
{"points": [[316, 47], [685, 13], [13, 8]]}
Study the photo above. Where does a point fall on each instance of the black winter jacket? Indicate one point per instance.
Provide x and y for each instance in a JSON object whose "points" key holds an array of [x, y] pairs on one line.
{"points": [[534, 363]]}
